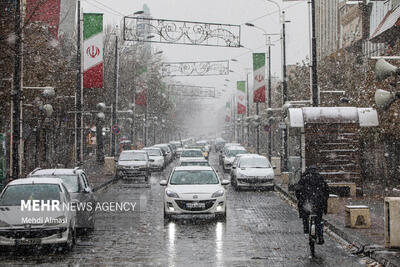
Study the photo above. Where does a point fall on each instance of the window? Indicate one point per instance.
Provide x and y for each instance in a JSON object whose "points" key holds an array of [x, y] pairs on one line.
{"points": [[15, 193], [194, 177]]}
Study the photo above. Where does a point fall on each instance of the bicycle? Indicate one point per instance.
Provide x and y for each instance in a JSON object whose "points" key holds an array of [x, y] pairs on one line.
{"points": [[312, 227]]}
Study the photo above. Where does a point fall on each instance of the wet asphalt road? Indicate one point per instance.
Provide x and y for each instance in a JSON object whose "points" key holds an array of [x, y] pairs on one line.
{"points": [[261, 230]]}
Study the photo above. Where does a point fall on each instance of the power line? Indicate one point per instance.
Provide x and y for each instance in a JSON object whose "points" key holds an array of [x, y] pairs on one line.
{"points": [[116, 12], [271, 13]]}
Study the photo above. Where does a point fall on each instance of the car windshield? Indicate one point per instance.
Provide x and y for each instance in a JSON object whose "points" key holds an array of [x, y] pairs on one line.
{"points": [[13, 195], [233, 153], [153, 152], [195, 163], [70, 181], [192, 153], [254, 163], [194, 177], [132, 156]]}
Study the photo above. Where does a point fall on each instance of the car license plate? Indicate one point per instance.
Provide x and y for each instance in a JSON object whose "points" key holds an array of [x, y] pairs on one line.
{"points": [[31, 241], [195, 205]]}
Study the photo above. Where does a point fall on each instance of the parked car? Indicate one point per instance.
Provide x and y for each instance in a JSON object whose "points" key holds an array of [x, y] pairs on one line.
{"points": [[194, 190], [132, 164], [235, 161], [155, 154], [219, 144], [167, 152], [24, 226], [223, 150], [77, 184], [173, 151], [253, 171], [178, 147], [194, 162], [229, 155]]}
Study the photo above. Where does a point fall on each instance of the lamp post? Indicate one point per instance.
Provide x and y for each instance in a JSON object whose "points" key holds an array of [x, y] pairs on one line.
{"points": [[268, 50]]}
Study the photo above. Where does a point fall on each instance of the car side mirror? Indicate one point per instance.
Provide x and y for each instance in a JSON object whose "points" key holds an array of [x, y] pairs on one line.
{"points": [[163, 182], [151, 160], [225, 182], [86, 190], [233, 167], [116, 160], [274, 167]]}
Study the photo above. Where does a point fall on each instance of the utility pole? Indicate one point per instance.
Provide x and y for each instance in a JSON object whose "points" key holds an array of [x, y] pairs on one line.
{"points": [[16, 92], [269, 97], [315, 93], [78, 93], [115, 97], [284, 93]]}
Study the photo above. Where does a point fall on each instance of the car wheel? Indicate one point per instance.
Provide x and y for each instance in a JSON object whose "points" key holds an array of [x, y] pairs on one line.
{"points": [[234, 183], [68, 246], [222, 217], [272, 188], [167, 217]]}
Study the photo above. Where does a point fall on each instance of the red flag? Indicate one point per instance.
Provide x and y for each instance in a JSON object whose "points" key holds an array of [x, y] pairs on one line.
{"points": [[44, 11]]}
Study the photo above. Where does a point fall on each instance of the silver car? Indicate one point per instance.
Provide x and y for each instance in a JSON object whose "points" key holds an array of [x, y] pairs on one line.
{"points": [[132, 164], [253, 171], [157, 162], [77, 184], [29, 217]]}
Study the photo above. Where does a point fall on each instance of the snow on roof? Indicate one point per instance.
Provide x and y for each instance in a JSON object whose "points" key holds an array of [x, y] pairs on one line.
{"points": [[193, 168], [36, 180], [52, 172], [366, 117]]}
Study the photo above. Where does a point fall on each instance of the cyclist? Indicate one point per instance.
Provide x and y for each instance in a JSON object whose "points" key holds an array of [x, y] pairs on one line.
{"points": [[312, 189]]}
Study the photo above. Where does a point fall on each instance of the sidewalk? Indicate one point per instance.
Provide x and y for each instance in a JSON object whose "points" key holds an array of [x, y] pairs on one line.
{"points": [[372, 240], [96, 176]]}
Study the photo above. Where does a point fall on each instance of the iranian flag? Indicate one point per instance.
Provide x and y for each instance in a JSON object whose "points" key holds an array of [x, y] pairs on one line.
{"points": [[93, 50], [141, 94], [241, 97], [259, 77], [228, 112]]}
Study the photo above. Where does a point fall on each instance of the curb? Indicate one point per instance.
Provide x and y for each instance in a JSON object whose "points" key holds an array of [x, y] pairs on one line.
{"points": [[103, 185], [374, 254]]}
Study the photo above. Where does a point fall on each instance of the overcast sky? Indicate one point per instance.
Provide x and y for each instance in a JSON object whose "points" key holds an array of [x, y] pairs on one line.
{"points": [[259, 12]]}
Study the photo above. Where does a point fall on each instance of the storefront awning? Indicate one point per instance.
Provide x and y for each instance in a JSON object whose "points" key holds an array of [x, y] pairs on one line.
{"points": [[389, 25], [365, 117]]}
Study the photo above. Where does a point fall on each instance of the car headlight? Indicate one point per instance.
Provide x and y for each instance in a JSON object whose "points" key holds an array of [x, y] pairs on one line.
{"points": [[172, 194], [219, 193], [241, 175], [4, 224]]}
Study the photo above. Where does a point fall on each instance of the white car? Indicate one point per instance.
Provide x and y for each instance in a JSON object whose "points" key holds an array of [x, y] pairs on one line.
{"points": [[166, 152], [194, 190], [253, 171], [191, 153], [229, 155], [194, 162], [40, 223], [157, 162]]}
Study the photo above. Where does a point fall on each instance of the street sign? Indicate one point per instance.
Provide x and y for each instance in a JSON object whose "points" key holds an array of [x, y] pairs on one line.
{"points": [[116, 129]]}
